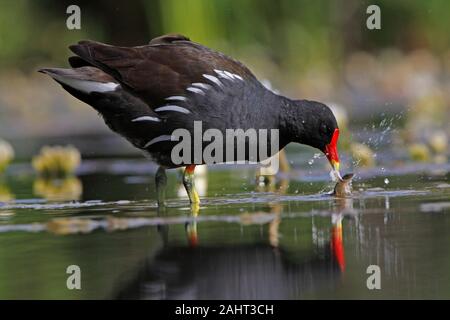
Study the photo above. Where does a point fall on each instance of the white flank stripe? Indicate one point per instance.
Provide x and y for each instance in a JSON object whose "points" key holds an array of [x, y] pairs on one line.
{"points": [[202, 85], [222, 74], [158, 139], [231, 75], [176, 98], [172, 108], [87, 86], [213, 79], [238, 76], [196, 90], [228, 75], [145, 118]]}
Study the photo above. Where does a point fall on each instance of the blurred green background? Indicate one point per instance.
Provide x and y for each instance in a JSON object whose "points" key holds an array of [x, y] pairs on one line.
{"points": [[290, 34]]}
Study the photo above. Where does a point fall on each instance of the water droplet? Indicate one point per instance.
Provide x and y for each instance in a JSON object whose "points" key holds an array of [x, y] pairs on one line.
{"points": [[333, 176], [386, 181], [310, 162]]}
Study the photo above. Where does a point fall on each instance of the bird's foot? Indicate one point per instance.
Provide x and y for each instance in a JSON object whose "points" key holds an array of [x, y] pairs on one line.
{"points": [[161, 182]]}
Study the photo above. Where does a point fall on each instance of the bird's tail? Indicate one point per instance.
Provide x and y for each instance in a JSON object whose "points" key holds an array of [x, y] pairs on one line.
{"points": [[85, 80], [122, 111]]}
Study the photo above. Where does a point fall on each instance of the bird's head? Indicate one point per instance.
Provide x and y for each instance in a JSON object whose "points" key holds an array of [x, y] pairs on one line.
{"points": [[314, 124]]}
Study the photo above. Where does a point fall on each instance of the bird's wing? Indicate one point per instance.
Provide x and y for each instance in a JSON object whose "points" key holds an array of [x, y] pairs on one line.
{"points": [[166, 67], [179, 81]]}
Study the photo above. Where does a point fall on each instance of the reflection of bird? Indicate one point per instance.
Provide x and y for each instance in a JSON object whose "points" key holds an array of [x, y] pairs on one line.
{"points": [[235, 272], [336, 243], [144, 93]]}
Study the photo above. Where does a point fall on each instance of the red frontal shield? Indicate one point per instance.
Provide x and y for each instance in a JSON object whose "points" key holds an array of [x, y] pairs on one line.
{"points": [[331, 150]]}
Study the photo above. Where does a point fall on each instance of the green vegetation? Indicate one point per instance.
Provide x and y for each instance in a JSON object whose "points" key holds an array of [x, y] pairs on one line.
{"points": [[293, 33]]}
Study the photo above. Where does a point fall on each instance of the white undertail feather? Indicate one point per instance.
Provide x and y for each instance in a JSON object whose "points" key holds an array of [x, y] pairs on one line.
{"points": [[86, 86]]}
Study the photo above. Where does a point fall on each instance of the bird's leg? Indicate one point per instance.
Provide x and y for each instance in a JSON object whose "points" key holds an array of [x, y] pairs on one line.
{"points": [[161, 182], [283, 162], [188, 182]]}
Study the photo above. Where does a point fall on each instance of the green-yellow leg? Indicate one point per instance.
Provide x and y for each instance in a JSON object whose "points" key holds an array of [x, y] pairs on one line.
{"points": [[161, 182], [188, 182]]}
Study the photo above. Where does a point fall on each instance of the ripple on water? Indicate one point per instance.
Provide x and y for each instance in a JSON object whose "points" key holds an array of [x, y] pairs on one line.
{"points": [[435, 206], [240, 198]]}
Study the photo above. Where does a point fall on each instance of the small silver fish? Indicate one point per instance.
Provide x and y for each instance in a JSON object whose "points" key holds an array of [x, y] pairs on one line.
{"points": [[343, 187]]}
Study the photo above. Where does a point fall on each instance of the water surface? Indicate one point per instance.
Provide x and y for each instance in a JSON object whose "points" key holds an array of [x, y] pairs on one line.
{"points": [[289, 240]]}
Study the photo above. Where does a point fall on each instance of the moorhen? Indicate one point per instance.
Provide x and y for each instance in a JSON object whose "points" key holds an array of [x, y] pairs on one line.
{"points": [[144, 93]]}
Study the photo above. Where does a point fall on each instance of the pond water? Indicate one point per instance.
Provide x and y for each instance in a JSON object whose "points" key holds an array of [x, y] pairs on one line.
{"points": [[286, 241]]}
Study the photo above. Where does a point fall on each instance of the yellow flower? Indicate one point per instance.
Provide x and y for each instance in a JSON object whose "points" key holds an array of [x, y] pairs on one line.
{"points": [[5, 193], [419, 152], [58, 189], [438, 141], [6, 154], [57, 161]]}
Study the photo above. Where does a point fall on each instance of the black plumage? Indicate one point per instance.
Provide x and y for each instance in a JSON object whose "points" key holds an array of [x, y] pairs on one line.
{"points": [[144, 93]]}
